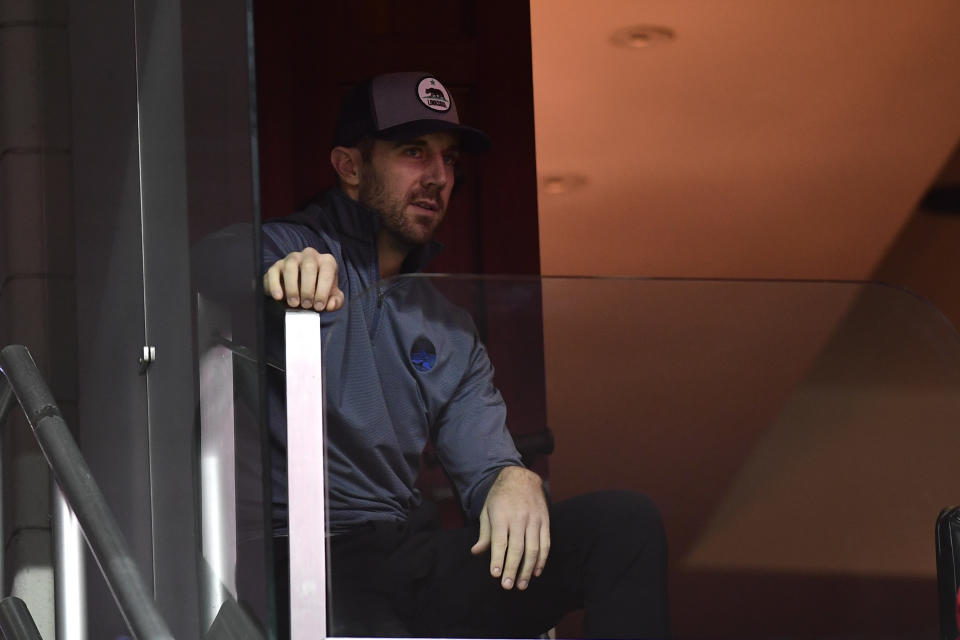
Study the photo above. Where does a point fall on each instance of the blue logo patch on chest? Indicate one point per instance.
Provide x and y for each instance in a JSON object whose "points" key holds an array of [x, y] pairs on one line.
{"points": [[423, 355]]}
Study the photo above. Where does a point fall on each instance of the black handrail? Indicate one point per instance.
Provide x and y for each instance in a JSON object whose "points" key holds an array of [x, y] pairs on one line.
{"points": [[6, 399], [16, 623], [100, 528]]}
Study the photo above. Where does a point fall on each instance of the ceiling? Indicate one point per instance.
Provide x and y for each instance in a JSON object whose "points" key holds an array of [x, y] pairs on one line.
{"points": [[768, 139]]}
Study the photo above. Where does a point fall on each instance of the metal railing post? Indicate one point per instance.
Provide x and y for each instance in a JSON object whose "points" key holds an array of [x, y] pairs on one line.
{"points": [[218, 497], [69, 570]]}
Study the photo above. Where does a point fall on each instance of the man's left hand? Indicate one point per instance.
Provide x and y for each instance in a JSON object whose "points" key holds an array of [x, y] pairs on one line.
{"points": [[515, 526]]}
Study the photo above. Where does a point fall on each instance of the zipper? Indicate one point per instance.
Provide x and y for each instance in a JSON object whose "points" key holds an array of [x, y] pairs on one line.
{"points": [[381, 296], [375, 272]]}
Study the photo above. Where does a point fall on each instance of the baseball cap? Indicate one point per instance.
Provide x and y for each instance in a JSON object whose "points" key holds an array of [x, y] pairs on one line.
{"points": [[396, 106]]}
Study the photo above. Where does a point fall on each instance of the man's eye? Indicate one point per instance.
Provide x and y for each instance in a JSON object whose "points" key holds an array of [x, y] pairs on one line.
{"points": [[451, 159], [413, 152]]}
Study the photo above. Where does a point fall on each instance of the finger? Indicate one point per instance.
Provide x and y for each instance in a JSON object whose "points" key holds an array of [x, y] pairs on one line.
{"points": [[498, 549], [544, 548], [291, 279], [483, 541], [326, 281], [514, 556], [336, 300], [308, 281], [531, 554], [271, 282]]}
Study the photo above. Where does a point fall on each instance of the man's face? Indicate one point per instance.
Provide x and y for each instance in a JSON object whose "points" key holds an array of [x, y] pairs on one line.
{"points": [[409, 183]]}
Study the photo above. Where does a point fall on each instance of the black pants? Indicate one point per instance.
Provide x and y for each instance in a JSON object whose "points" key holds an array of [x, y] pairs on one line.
{"points": [[607, 556]]}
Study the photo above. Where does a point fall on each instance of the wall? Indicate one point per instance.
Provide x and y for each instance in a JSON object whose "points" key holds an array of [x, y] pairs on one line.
{"points": [[37, 303]]}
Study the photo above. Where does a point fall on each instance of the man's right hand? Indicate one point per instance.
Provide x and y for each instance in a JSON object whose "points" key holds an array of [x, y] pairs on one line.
{"points": [[307, 279]]}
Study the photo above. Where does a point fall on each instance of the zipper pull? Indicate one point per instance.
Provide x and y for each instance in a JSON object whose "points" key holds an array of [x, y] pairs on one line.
{"points": [[379, 297]]}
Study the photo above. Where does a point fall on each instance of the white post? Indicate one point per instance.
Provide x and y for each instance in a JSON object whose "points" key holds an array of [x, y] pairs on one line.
{"points": [[306, 477]]}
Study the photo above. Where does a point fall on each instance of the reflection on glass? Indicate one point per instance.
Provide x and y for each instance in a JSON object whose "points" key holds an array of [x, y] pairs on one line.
{"points": [[235, 560], [233, 563], [796, 438]]}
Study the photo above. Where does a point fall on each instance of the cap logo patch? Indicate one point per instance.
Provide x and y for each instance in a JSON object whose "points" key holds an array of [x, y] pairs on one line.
{"points": [[433, 95]]}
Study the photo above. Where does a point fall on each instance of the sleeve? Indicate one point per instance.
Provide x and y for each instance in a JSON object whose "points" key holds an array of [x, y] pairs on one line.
{"points": [[472, 439], [223, 264]]}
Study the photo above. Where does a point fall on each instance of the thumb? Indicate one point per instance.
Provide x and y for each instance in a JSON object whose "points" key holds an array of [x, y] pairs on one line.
{"points": [[483, 542], [336, 298]]}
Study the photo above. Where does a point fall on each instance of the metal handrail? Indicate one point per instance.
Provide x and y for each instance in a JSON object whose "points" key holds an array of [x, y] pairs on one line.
{"points": [[16, 623], [72, 474], [7, 399], [70, 594]]}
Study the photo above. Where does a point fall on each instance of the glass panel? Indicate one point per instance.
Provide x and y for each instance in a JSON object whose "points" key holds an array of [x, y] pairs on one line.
{"points": [[797, 438], [167, 252], [222, 227]]}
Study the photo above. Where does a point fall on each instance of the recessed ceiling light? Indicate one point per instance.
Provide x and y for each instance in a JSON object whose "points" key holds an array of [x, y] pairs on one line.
{"points": [[561, 183], [641, 36]]}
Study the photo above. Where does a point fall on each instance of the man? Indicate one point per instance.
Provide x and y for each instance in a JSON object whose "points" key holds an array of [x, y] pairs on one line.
{"points": [[522, 564]]}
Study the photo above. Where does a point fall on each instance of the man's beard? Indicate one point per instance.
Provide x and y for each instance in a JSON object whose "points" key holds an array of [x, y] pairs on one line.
{"points": [[405, 231]]}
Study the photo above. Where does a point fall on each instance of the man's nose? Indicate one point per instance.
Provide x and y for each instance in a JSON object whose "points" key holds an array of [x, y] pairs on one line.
{"points": [[435, 173]]}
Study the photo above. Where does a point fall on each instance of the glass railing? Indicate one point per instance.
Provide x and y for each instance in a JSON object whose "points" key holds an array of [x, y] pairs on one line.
{"points": [[798, 438], [234, 579]]}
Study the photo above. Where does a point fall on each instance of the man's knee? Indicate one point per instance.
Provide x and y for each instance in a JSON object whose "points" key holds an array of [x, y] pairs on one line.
{"points": [[625, 515], [632, 512]]}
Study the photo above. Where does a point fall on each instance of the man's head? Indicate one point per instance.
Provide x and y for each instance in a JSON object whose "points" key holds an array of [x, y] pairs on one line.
{"points": [[408, 182], [397, 140]]}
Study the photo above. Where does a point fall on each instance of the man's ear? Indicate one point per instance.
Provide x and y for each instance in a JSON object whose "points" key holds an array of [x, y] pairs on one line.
{"points": [[347, 162]]}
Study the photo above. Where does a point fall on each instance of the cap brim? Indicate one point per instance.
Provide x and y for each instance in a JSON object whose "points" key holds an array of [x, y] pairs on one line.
{"points": [[471, 140]]}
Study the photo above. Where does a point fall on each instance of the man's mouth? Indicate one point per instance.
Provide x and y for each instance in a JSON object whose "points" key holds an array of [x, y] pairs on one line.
{"points": [[429, 205]]}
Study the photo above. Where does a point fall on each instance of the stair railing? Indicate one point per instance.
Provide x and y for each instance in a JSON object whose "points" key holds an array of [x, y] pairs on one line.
{"points": [[22, 381]]}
